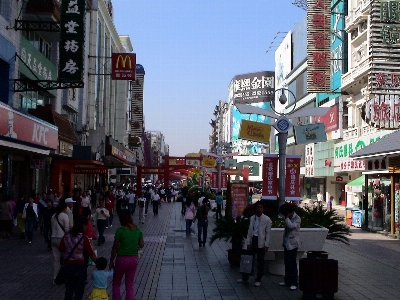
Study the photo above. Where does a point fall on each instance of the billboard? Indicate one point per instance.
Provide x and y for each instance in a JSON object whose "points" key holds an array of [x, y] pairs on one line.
{"points": [[246, 147], [254, 131], [253, 87], [318, 46], [123, 66], [311, 133], [136, 87], [283, 61]]}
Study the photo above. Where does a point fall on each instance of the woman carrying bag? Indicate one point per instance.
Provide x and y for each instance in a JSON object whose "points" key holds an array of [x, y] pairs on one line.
{"points": [[30, 214], [76, 249]]}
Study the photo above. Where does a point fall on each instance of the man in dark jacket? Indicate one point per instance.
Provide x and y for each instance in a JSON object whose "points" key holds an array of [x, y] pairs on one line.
{"points": [[202, 221]]}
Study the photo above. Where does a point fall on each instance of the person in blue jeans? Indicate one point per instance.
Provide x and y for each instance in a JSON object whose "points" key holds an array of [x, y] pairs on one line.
{"points": [[202, 222], [100, 217], [219, 201]]}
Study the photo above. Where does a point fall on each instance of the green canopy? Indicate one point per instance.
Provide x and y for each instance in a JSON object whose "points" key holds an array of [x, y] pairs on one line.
{"points": [[357, 185]]}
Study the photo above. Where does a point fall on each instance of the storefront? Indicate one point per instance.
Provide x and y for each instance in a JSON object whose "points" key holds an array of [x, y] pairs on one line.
{"points": [[381, 196], [26, 143]]}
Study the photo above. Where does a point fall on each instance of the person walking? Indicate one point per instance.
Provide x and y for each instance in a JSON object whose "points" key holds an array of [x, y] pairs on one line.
{"points": [[110, 207], [202, 222], [100, 280], [47, 214], [59, 226], [189, 214], [219, 201], [329, 203], [124, 255], [76, 245], [19, 209], [148, 195], [100, 219], [257, 241], [70, 207], [155, 199], [142, 206], [6, 217], [131, 197], [30, 214], [320, 198], [291, 242]]}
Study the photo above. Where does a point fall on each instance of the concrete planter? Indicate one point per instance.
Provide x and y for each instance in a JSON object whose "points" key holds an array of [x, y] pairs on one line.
{"points": [[311, 239]]}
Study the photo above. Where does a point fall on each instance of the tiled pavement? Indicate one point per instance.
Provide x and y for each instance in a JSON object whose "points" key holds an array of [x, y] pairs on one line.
{"points": [[173, 267]]}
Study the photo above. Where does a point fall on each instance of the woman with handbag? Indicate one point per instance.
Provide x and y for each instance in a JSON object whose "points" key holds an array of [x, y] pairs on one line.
{"points": [[59, 226], [76, 249], [128, 240], [30, 214]]}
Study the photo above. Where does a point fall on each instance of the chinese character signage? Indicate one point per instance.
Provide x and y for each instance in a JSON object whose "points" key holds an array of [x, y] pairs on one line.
{"points": [[311, 133], [208, 162], [136, 90], [214, 180], [123, 66], [383, 111], [253, 87], [309, 160], [239, 194], [270, 177], [331, 119], [292, 178], [72, 40], [318, 46], [343, 150], [254, 131]]}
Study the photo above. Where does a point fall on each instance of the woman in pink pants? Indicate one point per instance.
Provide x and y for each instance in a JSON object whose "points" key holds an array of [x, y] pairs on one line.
{"points": [[127, 241]]}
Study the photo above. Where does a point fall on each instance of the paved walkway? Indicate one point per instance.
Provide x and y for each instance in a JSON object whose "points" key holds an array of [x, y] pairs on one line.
{"points": [[173, 266]]}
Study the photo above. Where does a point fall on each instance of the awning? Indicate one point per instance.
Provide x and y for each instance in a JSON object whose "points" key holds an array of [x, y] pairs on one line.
{"points": [[357, 185]]}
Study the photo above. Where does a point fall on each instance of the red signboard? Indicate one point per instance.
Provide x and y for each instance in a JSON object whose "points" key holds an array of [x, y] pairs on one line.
{"points": [[270, 178], [224, 181], [292, 178], [214, 180], [22, 127], [239, 196], [123, 66], [331, 119]]}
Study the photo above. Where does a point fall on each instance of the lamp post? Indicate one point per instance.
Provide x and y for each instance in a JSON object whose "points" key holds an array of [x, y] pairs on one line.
{"points": [[282, 125]]}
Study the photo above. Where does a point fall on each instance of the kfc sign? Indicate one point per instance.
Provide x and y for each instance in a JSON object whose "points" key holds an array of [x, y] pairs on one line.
{"points": [[123, 66]]}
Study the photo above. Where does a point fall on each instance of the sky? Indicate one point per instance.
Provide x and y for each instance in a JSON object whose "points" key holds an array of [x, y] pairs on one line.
{"points": [[191, 50]]}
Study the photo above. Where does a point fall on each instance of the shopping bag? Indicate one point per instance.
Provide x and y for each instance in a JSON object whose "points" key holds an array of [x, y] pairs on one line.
{"points": [[246, 264], [61, 276]]}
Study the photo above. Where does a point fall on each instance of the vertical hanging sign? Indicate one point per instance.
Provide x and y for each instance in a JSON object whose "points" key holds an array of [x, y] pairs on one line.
{"points": [[270, 178], [72, 40], [224, 182], [318, 46], [292, 178], [214, 180]]}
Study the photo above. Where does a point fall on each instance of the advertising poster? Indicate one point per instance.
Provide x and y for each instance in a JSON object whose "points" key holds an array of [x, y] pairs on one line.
{"points": [[254, 131], [292, 179], [239, 194], [270, 177], [311, 133]]}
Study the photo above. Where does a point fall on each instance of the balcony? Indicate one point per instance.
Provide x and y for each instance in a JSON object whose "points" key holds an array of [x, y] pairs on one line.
{"points": [[43, 10], [356, 73], [351, 133], [357, 14]]}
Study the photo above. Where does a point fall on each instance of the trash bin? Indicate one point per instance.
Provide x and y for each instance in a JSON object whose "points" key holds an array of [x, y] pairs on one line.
{"points": [[318, 275]]}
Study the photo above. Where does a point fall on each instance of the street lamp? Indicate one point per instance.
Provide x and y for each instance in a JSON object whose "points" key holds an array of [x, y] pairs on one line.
{"points": [[282, 125]]}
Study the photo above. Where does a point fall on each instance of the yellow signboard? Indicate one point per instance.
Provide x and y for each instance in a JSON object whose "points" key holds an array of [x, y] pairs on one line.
{"points": [[208, 162], [254, 131]]}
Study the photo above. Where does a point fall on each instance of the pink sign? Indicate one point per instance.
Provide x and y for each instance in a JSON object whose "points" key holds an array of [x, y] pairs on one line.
{"points": [[270, 177], [21, 127], [239, 194], [292, 178]]}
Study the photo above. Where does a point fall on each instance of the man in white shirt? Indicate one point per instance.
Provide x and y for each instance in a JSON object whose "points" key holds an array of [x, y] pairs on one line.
{"points": [[257, 241], [320, 198], [131, 201], [155, 199]]}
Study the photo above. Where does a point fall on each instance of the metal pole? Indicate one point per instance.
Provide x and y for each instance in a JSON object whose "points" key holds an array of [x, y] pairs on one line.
{"points": [[282, 142], [219, 173]]}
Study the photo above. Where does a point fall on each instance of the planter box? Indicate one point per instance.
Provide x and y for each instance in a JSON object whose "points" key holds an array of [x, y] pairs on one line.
{"points": [[311, 239]]}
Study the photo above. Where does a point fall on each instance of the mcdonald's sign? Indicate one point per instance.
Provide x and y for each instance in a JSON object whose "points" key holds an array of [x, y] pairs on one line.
{"points": [[123, 66]]}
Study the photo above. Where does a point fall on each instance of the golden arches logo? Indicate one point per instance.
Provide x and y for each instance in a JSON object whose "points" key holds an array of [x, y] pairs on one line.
{"points": [[123, 61]]}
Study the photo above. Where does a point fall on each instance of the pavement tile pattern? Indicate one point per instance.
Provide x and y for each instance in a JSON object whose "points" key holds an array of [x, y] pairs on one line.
{"points": [[173, 266]]}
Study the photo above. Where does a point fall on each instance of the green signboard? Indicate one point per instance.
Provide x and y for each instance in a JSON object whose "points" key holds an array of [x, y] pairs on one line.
{"points": [[35, 65], [254, 167]]}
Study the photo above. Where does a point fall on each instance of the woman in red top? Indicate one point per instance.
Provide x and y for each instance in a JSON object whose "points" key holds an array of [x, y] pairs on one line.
{"points": [[110, 207], [77, 263]]}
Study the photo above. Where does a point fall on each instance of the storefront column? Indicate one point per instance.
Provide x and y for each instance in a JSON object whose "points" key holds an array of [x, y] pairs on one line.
{"points": [[392, 211], [365, 202]]}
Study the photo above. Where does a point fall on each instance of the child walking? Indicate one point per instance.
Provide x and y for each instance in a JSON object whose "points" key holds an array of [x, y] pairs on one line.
{"points": [[99, 278]]}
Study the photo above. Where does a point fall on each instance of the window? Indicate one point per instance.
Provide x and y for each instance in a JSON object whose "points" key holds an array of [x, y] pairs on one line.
{"points": [[31, 99], [38, 42]]}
